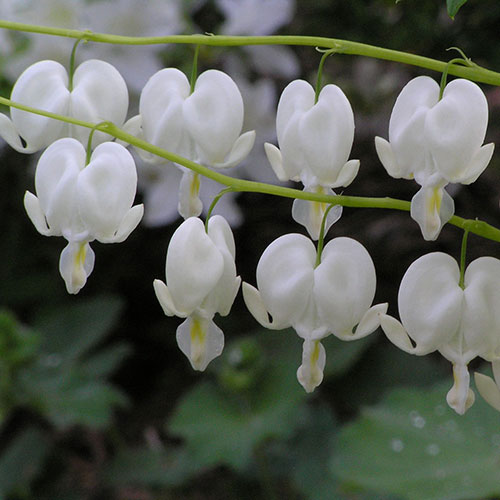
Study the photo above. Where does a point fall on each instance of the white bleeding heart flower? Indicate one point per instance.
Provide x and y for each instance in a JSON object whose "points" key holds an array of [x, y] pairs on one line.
{"points": [[436, 141], [203, 125], [98, 93], [315, 141], [438, 314], [83, 202], [200, 282], [316, 300]]}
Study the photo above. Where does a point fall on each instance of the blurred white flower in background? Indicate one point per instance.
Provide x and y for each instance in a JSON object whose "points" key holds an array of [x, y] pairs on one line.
{"points": [[130, 18], [260, 18], [53, 13]]}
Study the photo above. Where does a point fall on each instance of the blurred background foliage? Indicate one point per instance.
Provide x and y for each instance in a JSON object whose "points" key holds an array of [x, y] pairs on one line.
{"points": [[96, 400]]}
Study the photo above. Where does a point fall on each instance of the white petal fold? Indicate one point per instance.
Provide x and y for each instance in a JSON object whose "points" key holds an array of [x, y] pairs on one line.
{"points": [[310, 213], [75, 265], [432, 207], [201, 340], [310, 372], [488, 389]]}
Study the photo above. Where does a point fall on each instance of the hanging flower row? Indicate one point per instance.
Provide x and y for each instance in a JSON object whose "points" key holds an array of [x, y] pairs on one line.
{"points": [[86, 184]]}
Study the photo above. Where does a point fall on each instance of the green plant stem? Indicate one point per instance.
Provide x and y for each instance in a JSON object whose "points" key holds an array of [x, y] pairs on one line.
{"points": [[241, 185], [475, 73], [463, 261], [321, 239]]}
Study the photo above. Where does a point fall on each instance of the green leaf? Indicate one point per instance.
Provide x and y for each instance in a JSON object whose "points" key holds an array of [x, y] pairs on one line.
{"points": [[149, 467], [413, 445], [21, 460], [70, 397], [309, 453], [71, 331], [453, 6], [106, 361], [221, 427]]}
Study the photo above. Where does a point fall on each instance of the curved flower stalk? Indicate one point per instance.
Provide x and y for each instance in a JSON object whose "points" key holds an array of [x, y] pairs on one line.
{"points": [[315, 140], [203, 125], [488, 387], [436, 141], [330, 298], [98, 93], [201, 281], [439, 314], [83, 202]]}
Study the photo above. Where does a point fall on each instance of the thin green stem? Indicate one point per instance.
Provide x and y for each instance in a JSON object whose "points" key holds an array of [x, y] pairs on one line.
{"points": [[473, 226], [194, 69], [475, 73], [320, 73], [321, 239], [214, 202], [463, 262], [72, 64], [444, 76]]}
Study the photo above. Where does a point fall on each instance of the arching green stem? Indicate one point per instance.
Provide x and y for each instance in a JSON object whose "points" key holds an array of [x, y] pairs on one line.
{"points": [[475, 226], [320, 73], [444, 76], [72, 64], [463, 261], [474, 72], [321, 238], [214, 202]]}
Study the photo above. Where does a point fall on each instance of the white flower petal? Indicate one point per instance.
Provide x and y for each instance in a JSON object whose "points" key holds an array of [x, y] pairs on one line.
{"points": [[213, 115], [310, 372], [75, 265], [488, 389], [194, 265], [276, 160], [455, 128], [285, 277], [344, 284], [201, 340], [432, 207], [310, 213], [190, 204], [129, 222], [481, 309], [35, 213], [42, 85], [430, 301], [240, 150], [99, 94], [257, 308], [165, 299], [397, 334], [106, 190], [460, 397], [347, 174], [477, 165]]}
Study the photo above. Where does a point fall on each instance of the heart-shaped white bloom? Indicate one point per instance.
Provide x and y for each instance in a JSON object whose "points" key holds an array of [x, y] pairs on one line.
{"points": [[201, 281], [203, 125], [437, 314], [332, 297], [436, 141], [83, 202], [98, 94], [315, 140]]}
